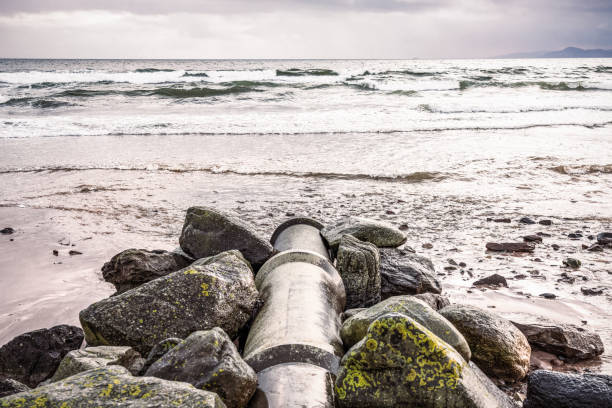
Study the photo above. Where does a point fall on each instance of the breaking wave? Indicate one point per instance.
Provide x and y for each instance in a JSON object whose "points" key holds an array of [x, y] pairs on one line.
{"points": [[575, 170], [551, 86], [306, 72], [143, 70]]}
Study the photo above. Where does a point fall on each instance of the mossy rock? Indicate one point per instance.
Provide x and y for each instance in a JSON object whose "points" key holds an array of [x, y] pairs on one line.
{"points": [[213, 292], [89, 358], [356, 327], [113, 387], [378, 233], [400, 363]]}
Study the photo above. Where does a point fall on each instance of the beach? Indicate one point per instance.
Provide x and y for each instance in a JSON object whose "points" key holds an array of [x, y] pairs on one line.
{"points": [[98, 157]]}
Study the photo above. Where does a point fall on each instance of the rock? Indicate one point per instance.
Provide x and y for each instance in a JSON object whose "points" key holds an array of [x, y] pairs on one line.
{"points": [[110, 387], [133, 267], [497, 346], [210, 361], [566, 278], [604, 238], [504, 220], [572, 263], [399, 363], [494, 280], [548, 295], [352, 312], [595, 291], [532, 238], [526, 220], [159, 350], [7, 231], [73, 252], [555, 247], [32, 357], [89, 358], [568, 340], [427, 245], [595, 248], [10, 387], [574, 235], [216, 291], [375, 232], [355, 328], [406, 273], [359, 266], [55, 252], [435, 301], [209, 232], [510, 246], [545, 222], [547, 389]]}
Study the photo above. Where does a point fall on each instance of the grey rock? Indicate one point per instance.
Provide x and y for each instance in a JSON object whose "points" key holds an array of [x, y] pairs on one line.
{"points": [[133, 267], [399, 363], [532, 238], [434, 300], [213, 292], [545, 222], [604, 238], [209, 360], [358, 263], [159, 350], [593, 291], [510, 246], [208, 232], [10, 387], [378, 233], [548, 295], [405, 273], [495, 280], [572, 263], [352, 312], [110, 387], [547, 389], [356, 327], [89, 358], [32, 357], [497, 346], [567, 340], [526, 220]]}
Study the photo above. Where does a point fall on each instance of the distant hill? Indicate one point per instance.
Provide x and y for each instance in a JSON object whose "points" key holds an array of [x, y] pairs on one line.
{"points": [[569, 52]]}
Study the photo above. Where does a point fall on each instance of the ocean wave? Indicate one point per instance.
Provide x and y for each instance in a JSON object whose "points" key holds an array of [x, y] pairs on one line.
{"points": [[306, 72], [234, 87], [40, 103], [202, 92], [506, 70], [551, 86], [195, 74], [415, 177], [575, 170], [143, 70], [603, 69], [363, 86], [403, 92]]}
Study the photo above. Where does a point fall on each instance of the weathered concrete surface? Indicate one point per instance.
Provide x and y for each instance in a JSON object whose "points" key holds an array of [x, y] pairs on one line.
{"points": [[212, 292], [113, 386]]}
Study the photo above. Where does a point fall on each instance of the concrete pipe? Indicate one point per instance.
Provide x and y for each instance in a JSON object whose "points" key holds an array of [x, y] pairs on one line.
{"points": [[300, 234]]}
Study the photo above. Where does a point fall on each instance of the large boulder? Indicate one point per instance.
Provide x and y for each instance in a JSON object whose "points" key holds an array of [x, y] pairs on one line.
{"points": [[213, 292], [399, 363], [356, 327], [547, 389], [209, 360], [405, 273], [32, 357], [89, 358], [358, 263], [113, 386], [434, 300], [497, 346], [208, 232], [567, 340], [10, 387], [378, 233], [159, 350], [133, 267]]}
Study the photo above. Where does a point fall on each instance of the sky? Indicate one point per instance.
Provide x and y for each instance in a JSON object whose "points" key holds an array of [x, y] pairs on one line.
{"points": [[299, 28]]}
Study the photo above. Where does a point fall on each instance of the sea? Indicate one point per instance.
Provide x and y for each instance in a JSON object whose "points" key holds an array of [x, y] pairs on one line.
{"points": [[108, 154]]}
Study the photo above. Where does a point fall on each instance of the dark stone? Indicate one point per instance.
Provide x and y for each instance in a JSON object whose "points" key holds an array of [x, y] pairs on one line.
{"points": [[497, 346], [73, 252], [358, 263], [159, 350], [592, 291], [212, 292], [133, 267], [555, 247], [548, 389], [55, 252], [493, 280], [511, 246], [209, 232], [406, 273], [548, 295], [532, 238], [209, 361], [375, 232], [566, 278], [562, 339], [595, 248], [526, 220], [604, 238], [574, 236], [10, 387], [110, 387], [32, 357], [545, 222], [7, 231], [434, 300], [504, 220], [572, 263]]}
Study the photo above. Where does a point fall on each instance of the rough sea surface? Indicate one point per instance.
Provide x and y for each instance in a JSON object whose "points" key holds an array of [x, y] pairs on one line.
{"points": [[106, 155]]}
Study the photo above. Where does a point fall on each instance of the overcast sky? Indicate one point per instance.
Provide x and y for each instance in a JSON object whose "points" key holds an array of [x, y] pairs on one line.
{"points": [[298, 28]]}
